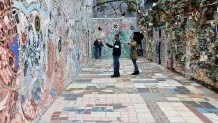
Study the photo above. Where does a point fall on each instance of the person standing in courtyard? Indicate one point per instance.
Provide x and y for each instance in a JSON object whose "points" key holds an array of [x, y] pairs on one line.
{"points": [[100, 49], [133, 55], [116, 55], [97, 49]]}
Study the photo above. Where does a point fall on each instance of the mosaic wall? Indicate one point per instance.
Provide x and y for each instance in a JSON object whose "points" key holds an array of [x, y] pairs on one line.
{"points": [[105, 29], [156, 46], [190, 32], [177, 49], [164, 47], [203, 45], [149, 40], [115, 9], [38, 55]]}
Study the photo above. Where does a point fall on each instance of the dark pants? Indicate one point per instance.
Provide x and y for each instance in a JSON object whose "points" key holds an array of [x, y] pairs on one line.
{"points": [[100, 53], [135, 65], [116, 64], [97, 50]]}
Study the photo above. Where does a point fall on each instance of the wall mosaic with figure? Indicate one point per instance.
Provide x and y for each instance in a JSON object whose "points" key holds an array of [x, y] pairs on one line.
{"points": [[105, 29], [38, 55]]}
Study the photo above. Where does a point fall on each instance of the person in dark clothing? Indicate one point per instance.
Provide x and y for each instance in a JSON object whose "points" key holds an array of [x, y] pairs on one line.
{"points": [[100, 45], [116, 55], [134, 55], [97, 49]]}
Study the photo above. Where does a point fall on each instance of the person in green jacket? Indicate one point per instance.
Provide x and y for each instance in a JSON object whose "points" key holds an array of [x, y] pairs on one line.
{"points": [[133, 55]]}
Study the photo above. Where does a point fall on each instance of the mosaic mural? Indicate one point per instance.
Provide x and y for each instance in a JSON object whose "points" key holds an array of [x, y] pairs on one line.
{"points": [[105, 29], [115, 9], [190, 30], [38, 55]]}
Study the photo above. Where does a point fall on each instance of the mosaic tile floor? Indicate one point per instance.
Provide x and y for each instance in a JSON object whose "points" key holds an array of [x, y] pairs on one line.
{"points": [[155, 96]]}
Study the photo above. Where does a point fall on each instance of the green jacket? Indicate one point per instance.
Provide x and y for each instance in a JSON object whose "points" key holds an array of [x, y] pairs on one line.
{"points": [[133, 51]]}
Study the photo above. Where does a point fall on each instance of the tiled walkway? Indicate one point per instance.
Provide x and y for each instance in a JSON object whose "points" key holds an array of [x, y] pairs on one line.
{"points": [[155, 96]]}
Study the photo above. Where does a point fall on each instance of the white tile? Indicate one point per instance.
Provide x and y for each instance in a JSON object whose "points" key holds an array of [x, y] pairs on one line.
{"points": [[138, 110], [144, 116], [101, 96], [111, 96], [148, 116], [98, 114], [173, 98], [172, 114], [140, 106], [177, 104], [193, 120], [151, 120], [139, 85], [89, 96], [112, 114], [165, 109], [181, 109], [176, 119], [164, 104], [187, 114]]}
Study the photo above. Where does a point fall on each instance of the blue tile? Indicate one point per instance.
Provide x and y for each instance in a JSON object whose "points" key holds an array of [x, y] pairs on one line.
{"points": [[212, 110], [202, 110], [99, 109], [80, 111], [172, 91]]}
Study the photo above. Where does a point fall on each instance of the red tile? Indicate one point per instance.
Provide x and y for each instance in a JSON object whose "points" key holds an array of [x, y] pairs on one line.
{"points": [[64, 118], [89, 105], [200, 87], [149, 77], [57, 113], [55, 119], [214, 96], [87, 112], [194, 95]]}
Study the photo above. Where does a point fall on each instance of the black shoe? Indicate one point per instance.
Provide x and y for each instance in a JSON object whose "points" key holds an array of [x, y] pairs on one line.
{"points": [[135, 73], [115, 75]]}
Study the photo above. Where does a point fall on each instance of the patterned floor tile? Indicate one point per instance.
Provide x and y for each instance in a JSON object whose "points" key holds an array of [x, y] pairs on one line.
{"points": [[157, 95]]}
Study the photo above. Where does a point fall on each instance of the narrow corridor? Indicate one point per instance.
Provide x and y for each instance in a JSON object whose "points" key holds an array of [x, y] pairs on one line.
{"points": [[48, 73], [156, 95]]}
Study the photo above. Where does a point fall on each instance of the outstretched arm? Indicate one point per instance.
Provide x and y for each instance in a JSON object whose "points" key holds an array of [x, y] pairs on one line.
{"points": [[110, 46]]}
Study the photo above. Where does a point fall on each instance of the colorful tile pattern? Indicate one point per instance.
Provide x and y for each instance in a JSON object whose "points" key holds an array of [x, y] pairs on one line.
{"points": [[155, 96]]}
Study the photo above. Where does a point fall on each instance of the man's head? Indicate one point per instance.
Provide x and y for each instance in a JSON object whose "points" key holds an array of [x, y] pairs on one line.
{"points": [[117, 37]]}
